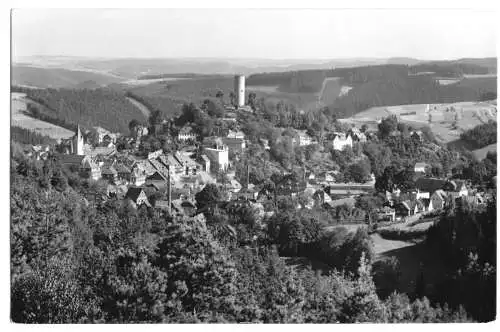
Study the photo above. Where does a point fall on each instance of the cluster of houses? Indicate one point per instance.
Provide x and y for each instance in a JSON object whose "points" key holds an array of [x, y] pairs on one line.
{"points": [[171, 178], [430, 195]]}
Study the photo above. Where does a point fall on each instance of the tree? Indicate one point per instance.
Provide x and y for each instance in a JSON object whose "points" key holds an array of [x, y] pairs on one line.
{"points": [[387, 126], [207, 197], [360, 171], [132, 125]]}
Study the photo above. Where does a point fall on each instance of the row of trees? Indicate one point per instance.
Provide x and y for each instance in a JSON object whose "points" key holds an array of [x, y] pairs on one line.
{"points": [[481, 135]]}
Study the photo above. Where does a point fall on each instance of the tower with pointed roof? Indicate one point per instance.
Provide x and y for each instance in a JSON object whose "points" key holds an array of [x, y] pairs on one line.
{"points": [[78, 142]]}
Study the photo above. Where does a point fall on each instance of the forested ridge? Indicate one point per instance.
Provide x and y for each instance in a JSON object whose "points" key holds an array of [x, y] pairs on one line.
{"points": [[88, 107], [383, 85]]}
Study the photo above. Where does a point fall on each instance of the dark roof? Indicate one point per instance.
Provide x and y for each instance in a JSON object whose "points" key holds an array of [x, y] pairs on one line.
{"points": [[71, 159], [430, 184], [122, 169], [133, 193]]}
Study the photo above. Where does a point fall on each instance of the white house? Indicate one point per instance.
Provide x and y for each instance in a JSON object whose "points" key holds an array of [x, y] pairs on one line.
{"points": [[186, 134], [421, 167], [341, 140]]}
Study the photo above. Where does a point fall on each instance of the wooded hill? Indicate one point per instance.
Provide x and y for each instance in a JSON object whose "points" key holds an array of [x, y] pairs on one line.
{"points": [[97, 107]]}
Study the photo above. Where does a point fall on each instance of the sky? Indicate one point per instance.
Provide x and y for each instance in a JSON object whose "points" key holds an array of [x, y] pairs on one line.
{"points": [[245, 33]]}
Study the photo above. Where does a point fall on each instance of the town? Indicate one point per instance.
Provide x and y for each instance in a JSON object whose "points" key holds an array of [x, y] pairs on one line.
{"points": [[252, 166], [169, 180]]}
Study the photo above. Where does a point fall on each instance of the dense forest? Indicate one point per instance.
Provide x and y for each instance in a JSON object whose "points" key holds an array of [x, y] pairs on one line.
{"points": [[26, 136], [98, 107], [481, 135], [78, 261], [383, 85], [168, 107]]}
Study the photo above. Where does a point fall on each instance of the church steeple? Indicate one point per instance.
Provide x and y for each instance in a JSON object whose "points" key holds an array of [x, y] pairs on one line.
{"points": [[78, 142]]}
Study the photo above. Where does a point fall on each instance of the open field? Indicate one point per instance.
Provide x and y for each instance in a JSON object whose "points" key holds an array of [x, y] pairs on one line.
{"points": [[330, 91], [442, 117], [61, 78], [263, 88], [414, 257], [480, 154], [18, 118], [137, 82]]}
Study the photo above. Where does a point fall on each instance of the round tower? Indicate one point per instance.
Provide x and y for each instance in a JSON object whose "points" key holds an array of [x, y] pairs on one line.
{"points": [[239, 90]]}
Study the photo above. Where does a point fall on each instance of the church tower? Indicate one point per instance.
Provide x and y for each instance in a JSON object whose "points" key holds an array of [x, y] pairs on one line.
{"points": [[78, 142]]}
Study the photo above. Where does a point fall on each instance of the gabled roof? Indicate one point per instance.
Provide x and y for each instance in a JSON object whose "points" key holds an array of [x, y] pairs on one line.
{"points": [[120, 168], [430, 184], [420, 164], [71, 159], [108, 170], [133, 193], [457, 185]]}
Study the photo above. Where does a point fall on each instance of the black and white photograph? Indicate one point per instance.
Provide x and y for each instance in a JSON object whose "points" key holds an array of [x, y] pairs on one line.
{"points": [[251, 165]]}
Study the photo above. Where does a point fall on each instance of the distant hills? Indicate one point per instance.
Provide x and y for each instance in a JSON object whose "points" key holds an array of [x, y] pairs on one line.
{"points": [[80, 72]]}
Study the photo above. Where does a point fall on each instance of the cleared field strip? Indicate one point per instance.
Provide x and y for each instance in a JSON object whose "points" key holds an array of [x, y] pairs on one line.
{"points": [[19, 119], [140, 106]]}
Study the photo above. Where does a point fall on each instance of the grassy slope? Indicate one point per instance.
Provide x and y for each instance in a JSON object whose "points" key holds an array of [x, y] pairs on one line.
{"points": [[480, 154]]}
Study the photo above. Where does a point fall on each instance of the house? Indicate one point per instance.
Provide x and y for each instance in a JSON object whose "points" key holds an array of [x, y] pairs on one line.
{"points": [[340, 141], [71, 160], [248, 193], [421, 167], [458, 188], [218, 155], [138, 176], [156, 176], [409, 208], [438, 200], [321, 197], [236, 135], [426, 186], [386, 214], [303, 139], [138, 196], [109, 173], [186, 134], [204, 162], [357, 135], [91, 169], [235, 145], [162, 205], [123, 171], [427, 204]]}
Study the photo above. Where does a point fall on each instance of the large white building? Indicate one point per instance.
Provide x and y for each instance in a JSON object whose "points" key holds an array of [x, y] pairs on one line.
{"points": [[218, 155]]}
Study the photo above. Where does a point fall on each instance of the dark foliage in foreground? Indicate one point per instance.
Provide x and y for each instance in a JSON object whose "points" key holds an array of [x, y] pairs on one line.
{"points": [[75, 260]]}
